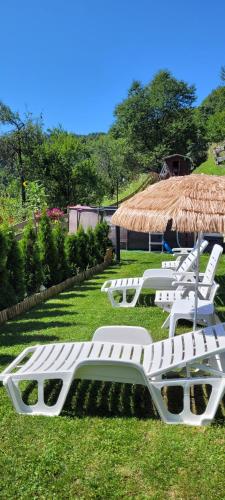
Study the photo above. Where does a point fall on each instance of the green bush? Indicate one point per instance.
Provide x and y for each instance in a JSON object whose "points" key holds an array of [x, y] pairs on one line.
{"points": [[102, 239], [7, 293], [47, 259], [71, 247], [47, 251], [32, 263], [61, 270], [15, 266], [216, 127], [82, 244], [93, 253]]}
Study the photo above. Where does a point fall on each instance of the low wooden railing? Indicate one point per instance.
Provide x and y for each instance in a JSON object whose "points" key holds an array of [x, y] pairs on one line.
{"points": [[37, 298]]}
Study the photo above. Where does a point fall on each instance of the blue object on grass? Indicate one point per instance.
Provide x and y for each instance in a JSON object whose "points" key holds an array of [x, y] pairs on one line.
{"points": [[166, 247]]}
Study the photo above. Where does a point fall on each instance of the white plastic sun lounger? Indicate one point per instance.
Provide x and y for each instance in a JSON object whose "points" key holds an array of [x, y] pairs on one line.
{"points": [[206, 291], [158, 279], [180, 254], [185, 309], [198, 355]]}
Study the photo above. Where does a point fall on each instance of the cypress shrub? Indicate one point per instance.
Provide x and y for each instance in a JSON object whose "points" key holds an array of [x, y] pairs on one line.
{"points": [[7, 293], [93, 253], [15, 266], [102, 240], [71, 247], [32, 263], [47, 251], [82, 243], [61, 270]]}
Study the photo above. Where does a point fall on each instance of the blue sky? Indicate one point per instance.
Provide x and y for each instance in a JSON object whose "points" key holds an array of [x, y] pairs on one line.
{"points": [[74, 60]]}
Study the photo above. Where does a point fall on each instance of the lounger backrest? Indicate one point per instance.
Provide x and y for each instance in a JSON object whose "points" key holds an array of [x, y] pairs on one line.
{"points": [[210, 271], [213, 291], [123, 334], [191, 259]]}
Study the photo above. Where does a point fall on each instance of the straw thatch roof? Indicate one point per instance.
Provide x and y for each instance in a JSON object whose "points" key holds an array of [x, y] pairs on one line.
{"points": [[190, 203]]}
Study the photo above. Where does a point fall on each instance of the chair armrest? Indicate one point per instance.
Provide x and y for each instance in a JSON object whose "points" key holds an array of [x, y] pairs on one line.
{"points": [[188, 274], [181, 251], [191, 284], [106, 286], [16, 361]]}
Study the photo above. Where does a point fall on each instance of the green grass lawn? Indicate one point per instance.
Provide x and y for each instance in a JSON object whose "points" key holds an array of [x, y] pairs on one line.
{"points": [[109, 442]]}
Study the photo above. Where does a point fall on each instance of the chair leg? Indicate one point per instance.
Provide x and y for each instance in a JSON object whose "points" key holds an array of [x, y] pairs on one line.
{"points": [[112, 300], [166, 322], [216, 319], [135, 297], [186, 416], [40, 408], [124, 302], [173, 323]]}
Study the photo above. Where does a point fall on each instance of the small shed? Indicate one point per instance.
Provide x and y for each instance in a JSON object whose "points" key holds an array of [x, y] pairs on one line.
{"points": [[175, 165]]}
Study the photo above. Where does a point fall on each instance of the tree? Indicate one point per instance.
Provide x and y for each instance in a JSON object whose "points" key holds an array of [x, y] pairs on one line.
{"points": [[92, 247], [71, 246], [15, 266], [82, 249], [216, 127], [55, 159], [88, 186], [112, 161], [7, 293], [32, 263], [47, 250], [157, 119], [17, 145], [213, 103], [102, 238], [222, 74], [61, 270]]}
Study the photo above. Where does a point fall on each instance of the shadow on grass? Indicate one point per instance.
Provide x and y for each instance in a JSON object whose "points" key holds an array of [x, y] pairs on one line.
{"points": [[126, 262], [50, 305], [14, 338], [146, 300], [6, 359], [15, 327], [107, 399], [45, 313], [14, 333]]}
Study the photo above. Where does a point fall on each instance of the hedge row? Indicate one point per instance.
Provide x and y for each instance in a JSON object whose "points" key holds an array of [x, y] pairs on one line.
{"points": [[47, 258]]}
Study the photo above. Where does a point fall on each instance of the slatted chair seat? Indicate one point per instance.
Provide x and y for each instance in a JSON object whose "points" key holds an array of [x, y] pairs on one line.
{"points": [[180, 254], [105, 358], [181, 303], [158, 279]]}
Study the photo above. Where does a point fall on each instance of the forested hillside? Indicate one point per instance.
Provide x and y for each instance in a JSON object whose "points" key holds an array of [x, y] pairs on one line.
{"points": [[63, 168]]}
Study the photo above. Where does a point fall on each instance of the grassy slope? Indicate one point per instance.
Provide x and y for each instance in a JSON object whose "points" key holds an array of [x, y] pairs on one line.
{"points": [[209, 166], [108, 443], [126, 190]]}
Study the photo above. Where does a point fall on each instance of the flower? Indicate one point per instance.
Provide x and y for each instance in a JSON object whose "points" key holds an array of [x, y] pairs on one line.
{"points": [[55, 213]]}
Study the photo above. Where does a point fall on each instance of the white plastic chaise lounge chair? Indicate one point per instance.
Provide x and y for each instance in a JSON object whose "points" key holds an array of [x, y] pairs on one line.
{"points": [[199, 356], [179, 255], [158, 279], [206, 290], [185, 309]]}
